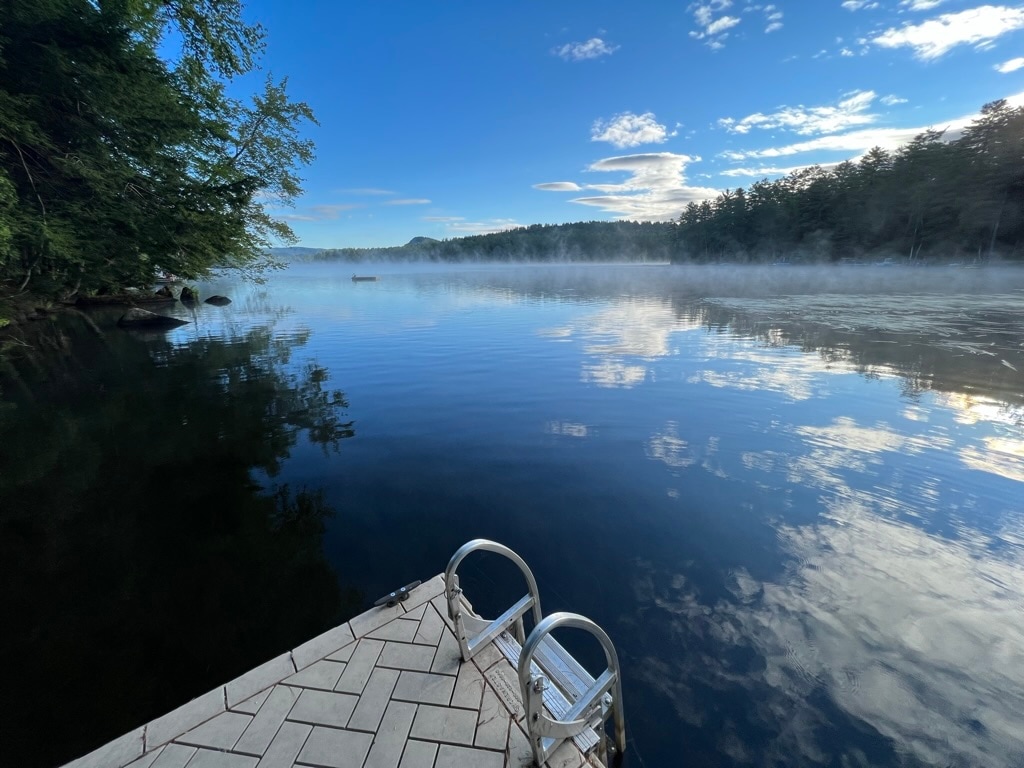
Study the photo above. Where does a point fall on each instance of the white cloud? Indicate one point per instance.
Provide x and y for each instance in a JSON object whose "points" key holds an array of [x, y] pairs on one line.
{"points": [[365, 191], [921, 5], [490, 226], [774, 18], [629, 130], [712, 27], [857, 5], [718, 26], [319, 212], [892, 99], [558, 186], [807, 121], [936, 37], [1010, 66], [762, 171], [772, 27], [331, 212], [409, 201], [862, 140], [854, 141], [593, 48], [655, 189]]}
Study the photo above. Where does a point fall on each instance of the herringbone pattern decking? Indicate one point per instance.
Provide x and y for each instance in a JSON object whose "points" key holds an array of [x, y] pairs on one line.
{"points": [[385, 690]]}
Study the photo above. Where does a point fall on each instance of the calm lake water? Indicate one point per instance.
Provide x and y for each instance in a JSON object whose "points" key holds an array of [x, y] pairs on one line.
{"points": [[794, 498]]}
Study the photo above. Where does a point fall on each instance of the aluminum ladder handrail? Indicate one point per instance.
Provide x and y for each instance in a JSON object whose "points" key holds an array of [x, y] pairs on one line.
{"points": [[590, 710], [474, 633]]}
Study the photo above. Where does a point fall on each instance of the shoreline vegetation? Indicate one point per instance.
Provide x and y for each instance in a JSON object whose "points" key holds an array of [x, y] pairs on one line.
{"points": [[127, 150]]}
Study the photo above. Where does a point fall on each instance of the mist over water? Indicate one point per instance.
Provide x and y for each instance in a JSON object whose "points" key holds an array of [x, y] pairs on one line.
{"points": [[791, 495]]}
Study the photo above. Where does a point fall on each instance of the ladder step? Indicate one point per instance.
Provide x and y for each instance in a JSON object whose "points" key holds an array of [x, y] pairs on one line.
{"points": [[562, 675]]}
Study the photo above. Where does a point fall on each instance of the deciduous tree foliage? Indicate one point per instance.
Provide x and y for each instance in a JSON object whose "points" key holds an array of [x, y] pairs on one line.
{"points": [[116, 162], [930, 199]]}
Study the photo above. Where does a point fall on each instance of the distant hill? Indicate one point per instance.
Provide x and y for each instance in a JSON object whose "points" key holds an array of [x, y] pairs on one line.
{"points": [[294, 253], [608, 241]]}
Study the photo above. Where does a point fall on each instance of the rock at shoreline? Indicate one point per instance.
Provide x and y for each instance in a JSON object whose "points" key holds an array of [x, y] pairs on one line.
{"points": [[166, 293], [188, 296], [220, 301], [141, 318], [125, 299]]}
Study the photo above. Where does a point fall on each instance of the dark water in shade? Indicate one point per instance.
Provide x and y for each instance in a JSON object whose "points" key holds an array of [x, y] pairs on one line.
{"points": [[794, 499]]}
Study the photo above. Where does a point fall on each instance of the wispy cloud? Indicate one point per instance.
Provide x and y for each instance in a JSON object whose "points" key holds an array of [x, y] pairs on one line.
{"points": [[463, 227], [558, 186], [936, 37], [654, 189], [593, 48], [854, 141], [364, 191], [1010, 66], [773, 19], [331, 212], [442, 219], [630, 130], [319, 212], [921, 5], [807, 121], [761, 171], [892, 99], [862, 140], [859, 5], [712, 25], [408, 201]]}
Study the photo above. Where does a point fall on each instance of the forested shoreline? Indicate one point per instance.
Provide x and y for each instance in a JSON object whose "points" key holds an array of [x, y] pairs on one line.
{"points": [[930, 200]]}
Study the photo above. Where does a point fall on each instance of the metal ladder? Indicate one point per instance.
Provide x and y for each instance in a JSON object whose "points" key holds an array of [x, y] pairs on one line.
{"points": [[562, 699]]}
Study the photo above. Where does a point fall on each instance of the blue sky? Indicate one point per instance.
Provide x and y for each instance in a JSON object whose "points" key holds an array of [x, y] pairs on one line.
{"points": [[452, 118]]}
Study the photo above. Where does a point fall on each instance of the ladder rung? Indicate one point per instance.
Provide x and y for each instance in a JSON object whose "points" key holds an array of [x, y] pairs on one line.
{"points": [[556, 702]]}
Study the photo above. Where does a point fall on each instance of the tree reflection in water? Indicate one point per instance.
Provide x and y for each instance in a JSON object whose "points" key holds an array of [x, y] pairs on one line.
{"points": [[157, 564]]}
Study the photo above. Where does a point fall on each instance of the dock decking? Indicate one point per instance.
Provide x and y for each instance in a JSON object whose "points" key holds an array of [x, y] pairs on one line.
{"points": [[387, 689]]}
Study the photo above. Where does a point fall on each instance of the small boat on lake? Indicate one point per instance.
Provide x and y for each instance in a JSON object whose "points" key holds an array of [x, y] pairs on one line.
{"points": [[364, 278]]}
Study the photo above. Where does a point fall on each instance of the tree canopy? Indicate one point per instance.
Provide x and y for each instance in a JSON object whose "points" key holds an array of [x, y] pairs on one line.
{"points": [[122, 152], [929, 199]]}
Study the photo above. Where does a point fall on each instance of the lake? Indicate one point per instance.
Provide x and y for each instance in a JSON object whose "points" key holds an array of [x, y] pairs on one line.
{"points": [[794, 497]]}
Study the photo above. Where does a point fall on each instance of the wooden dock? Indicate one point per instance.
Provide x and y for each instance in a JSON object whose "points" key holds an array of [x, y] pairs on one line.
{"points": [[387, 689]]}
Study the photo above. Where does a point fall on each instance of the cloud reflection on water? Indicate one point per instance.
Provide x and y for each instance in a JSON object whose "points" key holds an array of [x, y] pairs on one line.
{"points": [[914, 635], [622, 338], [897, 612]]}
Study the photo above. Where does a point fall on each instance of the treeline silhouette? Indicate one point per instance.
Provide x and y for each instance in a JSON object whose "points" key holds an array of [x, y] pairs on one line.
{"points": [[580, 241], [930, 199]]}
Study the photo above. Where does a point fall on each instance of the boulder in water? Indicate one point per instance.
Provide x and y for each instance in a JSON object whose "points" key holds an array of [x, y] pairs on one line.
{"points": [[188, 295], [220, 301], [141, 318]]}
